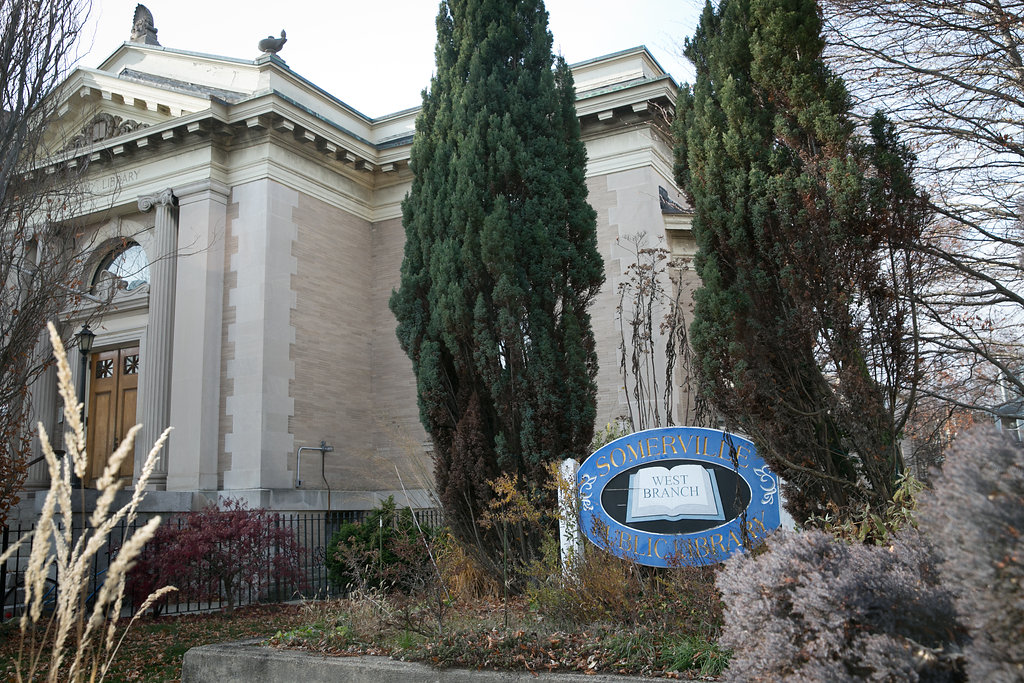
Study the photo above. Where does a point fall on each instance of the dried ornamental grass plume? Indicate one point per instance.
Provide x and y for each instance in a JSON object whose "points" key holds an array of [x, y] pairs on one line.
{"points": [[88, 640], [816, 609], [976, 515]]}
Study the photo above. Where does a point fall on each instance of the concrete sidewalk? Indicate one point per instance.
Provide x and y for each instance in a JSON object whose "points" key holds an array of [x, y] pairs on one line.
{"points": [[247, 662]]}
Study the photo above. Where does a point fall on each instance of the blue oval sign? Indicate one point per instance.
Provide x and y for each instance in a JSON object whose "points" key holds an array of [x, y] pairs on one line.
{"points": [[677, 496]]}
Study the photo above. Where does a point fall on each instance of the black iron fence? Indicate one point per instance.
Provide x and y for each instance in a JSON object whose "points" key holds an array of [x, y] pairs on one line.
{"points": [[311, 531]]}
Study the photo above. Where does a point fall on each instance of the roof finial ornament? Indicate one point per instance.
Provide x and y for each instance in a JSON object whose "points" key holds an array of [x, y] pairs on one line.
{"points": [[271, 45], [143, 30]]}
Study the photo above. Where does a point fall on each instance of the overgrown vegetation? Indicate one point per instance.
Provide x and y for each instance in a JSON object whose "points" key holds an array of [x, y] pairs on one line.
{"points": [[874, 597], [594, 618], [603, 588], [637, 622], [478, 639]]}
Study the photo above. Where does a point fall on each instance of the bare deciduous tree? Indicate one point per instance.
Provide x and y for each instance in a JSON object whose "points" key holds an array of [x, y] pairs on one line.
{"points": [[951, 75], [40, 252]]}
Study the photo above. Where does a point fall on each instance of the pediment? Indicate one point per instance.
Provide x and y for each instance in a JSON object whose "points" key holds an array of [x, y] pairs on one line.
{"points": [[211, 73], [93, 107], [103, 124]]}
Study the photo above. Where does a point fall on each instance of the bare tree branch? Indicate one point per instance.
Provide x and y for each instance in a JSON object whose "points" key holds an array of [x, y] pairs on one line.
{"points": [[41, 252], [951, 75]]}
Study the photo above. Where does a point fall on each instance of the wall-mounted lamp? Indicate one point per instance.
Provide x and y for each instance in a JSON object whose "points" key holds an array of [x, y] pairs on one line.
{"points": [[85, 337]]}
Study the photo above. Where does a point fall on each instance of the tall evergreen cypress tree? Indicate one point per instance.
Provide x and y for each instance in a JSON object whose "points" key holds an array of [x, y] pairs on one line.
{"points": [[802, 329], [501, 260]]}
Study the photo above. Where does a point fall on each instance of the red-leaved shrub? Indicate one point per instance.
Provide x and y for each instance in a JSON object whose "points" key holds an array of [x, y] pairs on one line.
{"points": [[157, 565], [216, 554]]}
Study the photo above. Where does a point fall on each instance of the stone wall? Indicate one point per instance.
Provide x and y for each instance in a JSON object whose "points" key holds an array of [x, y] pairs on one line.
{"points": [[399, 438], [333, 338]]}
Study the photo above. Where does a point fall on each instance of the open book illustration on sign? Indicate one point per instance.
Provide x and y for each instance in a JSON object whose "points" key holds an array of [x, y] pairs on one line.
{"points": [[683, 492]]}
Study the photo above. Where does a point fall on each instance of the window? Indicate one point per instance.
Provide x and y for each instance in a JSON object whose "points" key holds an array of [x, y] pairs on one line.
{"points": [[128, 267]]}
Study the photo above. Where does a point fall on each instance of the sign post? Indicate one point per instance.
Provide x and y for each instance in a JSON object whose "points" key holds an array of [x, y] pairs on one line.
{"points": [[569, 539], [677, 496]]}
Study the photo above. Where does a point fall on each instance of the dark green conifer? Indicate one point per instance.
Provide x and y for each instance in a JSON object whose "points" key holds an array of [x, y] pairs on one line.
{"points": [[802, 327], [501, 260]]}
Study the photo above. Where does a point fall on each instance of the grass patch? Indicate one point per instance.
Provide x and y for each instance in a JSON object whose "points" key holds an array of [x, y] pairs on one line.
{"points": [[475, 637], [611, 617], [694, 654]]}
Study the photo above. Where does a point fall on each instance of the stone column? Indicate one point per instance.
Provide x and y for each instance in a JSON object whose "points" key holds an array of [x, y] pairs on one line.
{"points": [[44, 409], [155, 409]]}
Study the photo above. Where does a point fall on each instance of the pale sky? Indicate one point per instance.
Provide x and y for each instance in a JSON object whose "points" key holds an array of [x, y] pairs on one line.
{"points": [[377, 56]]}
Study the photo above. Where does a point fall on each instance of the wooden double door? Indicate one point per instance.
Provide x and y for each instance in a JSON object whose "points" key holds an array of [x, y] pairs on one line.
{"points": [[113, 390]]}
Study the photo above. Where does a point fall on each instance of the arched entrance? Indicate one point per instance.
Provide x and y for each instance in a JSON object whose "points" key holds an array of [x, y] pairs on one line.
{"points": [[122, 277]]}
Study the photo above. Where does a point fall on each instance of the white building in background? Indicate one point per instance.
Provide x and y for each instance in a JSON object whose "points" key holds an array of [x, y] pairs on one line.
{"points": [[268, 212]]}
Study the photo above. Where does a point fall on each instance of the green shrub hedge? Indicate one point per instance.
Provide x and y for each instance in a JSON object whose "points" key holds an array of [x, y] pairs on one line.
{"points": [[386, 550]]}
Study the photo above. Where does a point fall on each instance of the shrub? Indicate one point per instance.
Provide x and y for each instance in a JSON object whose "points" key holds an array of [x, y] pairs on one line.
{"points": [[220, 553], [386, 550], [977, 511], [610, 432], [463, 574], [813, 608], [605, 588], [157, 565], [876, 526]]}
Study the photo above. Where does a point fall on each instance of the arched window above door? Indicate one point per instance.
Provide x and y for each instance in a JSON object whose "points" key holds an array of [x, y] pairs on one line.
{"points": [[125, 268]]}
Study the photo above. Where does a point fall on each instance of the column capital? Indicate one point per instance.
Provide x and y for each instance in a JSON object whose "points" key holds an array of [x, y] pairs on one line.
{"points": [[164, 198]]}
